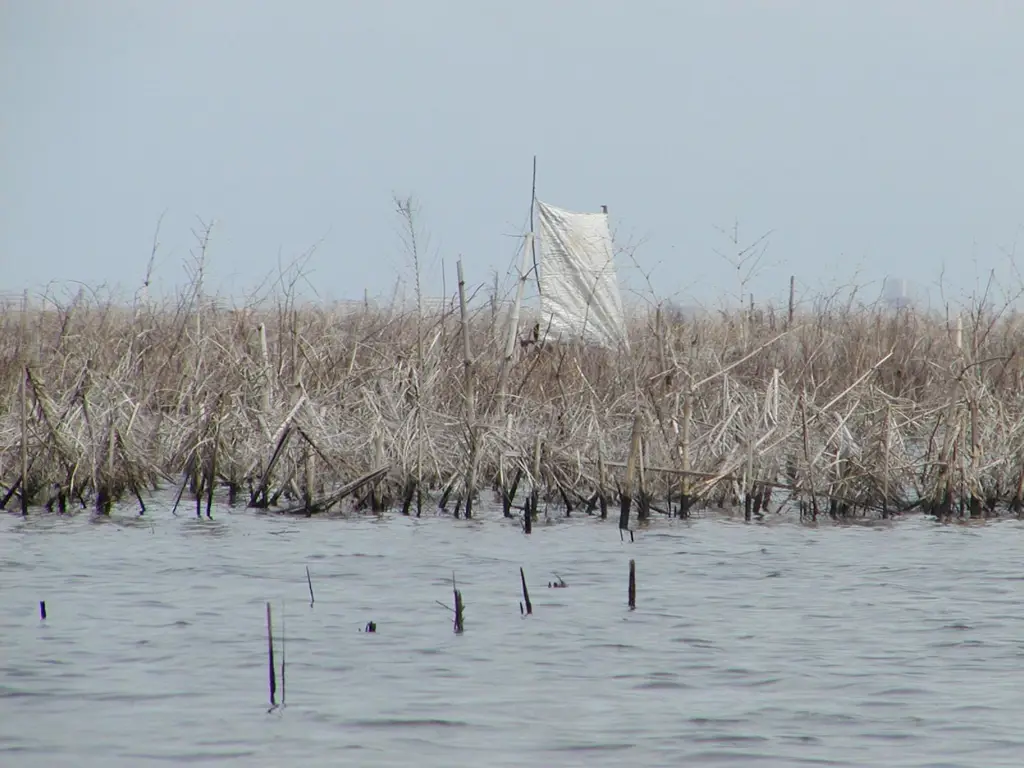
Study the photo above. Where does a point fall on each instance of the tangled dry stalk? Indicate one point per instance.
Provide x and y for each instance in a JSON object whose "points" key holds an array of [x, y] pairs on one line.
{"points": [[846, 411]]}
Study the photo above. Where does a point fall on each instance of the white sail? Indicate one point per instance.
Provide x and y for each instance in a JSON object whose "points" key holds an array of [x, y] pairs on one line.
{"points": [[579, 290]]}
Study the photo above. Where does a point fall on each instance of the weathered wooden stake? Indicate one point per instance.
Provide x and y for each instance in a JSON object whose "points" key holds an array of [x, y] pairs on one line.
{"points": [[632, 585], [270, 659], [526, 593], [309, 581]]}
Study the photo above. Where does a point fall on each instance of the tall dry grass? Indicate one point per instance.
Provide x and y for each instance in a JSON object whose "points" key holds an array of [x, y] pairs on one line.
{"points": [[848, 410]]}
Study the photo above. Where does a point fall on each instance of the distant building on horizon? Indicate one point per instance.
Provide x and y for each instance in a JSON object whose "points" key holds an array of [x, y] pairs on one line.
{"points": [[898, 293]]}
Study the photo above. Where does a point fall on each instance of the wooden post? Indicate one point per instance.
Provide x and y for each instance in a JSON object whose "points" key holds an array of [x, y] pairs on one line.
{"points": [[526, 593], [270, 658], [632, 585]]}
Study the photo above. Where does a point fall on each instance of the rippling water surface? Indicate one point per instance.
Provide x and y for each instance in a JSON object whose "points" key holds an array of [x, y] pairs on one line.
{"points": [[750, 645]]}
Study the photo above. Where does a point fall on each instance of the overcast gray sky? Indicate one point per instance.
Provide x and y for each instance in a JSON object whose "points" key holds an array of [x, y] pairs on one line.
{"points": [[872, 138]]}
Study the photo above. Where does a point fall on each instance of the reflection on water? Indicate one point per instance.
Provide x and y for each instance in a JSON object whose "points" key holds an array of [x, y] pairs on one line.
{"points": [[761, 645]]}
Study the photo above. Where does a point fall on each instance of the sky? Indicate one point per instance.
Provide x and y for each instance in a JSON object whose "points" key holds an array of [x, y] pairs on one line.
{"points": [[851, 140]]}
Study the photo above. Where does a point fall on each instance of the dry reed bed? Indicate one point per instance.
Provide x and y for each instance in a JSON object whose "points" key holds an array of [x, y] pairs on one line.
{"points": [[845, 412]]}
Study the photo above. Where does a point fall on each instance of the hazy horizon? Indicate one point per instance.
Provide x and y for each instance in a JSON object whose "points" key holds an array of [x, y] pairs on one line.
{"points": [[870, 139]]}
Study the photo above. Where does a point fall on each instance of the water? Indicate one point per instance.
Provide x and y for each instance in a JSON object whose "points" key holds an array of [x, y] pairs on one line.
{"points": [[766, 645]]}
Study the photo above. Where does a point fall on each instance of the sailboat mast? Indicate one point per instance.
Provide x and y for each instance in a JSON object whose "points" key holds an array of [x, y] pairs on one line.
{"points": [[533, 239]]}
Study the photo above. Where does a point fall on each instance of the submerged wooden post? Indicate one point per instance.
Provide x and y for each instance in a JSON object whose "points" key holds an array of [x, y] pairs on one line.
{"points": [[270, 658], [526, 593], [632, 585], [42, 610]]}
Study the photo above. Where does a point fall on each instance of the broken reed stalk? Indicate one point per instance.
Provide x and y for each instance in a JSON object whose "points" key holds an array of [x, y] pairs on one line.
{"points": [[975, 460], [270, 660], [308, 484], [42, 610], [684, 454], [23, 402], [309, 582], [459, 607], [632, 585], [530, 508], [807, 455], [467, 362], [886, 445], [643, 498], [377, 492], [748, 483], [526, 593]]}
